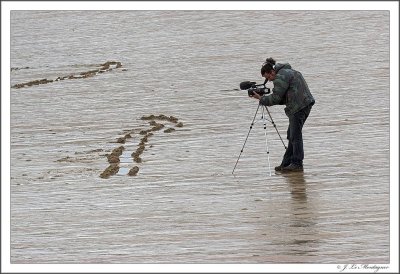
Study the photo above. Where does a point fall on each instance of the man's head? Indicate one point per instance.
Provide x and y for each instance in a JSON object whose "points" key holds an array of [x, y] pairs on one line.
{"points": [[268, 69], [268, 72]]}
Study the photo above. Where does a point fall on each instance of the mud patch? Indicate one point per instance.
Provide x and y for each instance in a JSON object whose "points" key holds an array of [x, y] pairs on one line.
{"points": [[83, 157], [123, 161], [134, 170], [168, 130], [106, 67], [122, 140], [114, 159], [16, 68], [161, 117], [111, 170]]}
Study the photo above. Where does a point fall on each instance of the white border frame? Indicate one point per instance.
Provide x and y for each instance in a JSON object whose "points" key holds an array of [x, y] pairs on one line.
{"points": [[6, 7]]}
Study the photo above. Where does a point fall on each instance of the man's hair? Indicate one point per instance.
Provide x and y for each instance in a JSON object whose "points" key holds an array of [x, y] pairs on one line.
{"points": [[267, 66]]}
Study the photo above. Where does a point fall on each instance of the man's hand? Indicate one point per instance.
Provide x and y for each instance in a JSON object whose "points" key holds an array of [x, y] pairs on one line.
{"points": [[256, 95]]}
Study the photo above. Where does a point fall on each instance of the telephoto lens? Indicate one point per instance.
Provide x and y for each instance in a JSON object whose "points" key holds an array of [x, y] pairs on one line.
{"points": [[247, 85]]}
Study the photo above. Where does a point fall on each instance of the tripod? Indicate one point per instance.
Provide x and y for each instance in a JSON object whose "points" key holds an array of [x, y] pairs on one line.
{"points": [[266, 137]]}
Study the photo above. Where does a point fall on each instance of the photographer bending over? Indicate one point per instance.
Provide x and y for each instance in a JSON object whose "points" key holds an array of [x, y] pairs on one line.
{"points": [[290, 89]]}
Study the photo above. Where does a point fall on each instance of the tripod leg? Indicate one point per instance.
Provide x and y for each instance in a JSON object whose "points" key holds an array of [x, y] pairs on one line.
{"points": [[266, 142], [251, 126], [273, 123]]}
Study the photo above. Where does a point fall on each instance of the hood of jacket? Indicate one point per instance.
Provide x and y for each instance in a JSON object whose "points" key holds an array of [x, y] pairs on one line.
{"points": [[279, 66]]}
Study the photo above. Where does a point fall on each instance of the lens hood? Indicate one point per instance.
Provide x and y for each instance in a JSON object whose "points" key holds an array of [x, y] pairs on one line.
{"points": [[246, 85]]}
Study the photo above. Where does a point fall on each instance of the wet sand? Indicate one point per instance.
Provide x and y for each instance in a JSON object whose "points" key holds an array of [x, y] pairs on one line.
{"points": [[135, 166]]}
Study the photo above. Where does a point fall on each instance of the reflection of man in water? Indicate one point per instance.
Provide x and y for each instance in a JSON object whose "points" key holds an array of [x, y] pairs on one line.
{"points": [[302, 217], [297, 185]]}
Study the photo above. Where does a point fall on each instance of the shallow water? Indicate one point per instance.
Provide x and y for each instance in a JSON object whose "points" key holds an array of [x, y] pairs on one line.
{"points": [[184, 205]]}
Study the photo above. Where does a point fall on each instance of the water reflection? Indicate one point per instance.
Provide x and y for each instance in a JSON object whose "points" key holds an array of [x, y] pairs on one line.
{"points": [[297, 184], [302, 219]]}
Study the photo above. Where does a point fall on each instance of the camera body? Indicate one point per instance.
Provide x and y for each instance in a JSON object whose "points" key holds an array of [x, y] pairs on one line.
{"points": [[251, 87]]}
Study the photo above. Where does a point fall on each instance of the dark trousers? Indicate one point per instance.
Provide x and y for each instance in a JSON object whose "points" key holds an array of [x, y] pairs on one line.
{"points": [[295, 153]]}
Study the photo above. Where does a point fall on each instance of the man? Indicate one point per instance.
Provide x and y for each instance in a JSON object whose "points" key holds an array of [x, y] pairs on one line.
{"points": [[290, 89]]}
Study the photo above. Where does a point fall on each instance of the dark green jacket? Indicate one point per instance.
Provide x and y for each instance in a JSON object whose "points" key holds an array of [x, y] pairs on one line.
{"points": [[290, 89]]}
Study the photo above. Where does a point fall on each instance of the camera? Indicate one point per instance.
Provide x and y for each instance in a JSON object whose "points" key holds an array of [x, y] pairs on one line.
{"points": [[251, 87]]}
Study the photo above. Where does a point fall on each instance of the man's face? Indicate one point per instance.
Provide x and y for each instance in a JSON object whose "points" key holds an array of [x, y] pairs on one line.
{"points": [[270, 75]]}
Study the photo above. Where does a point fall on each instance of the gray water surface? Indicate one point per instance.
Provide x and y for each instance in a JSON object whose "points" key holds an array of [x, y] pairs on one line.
{"points": [[184, 205]]}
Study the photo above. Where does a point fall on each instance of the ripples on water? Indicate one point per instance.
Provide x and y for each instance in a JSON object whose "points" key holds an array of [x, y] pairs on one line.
{"points": [[184, 205]]}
